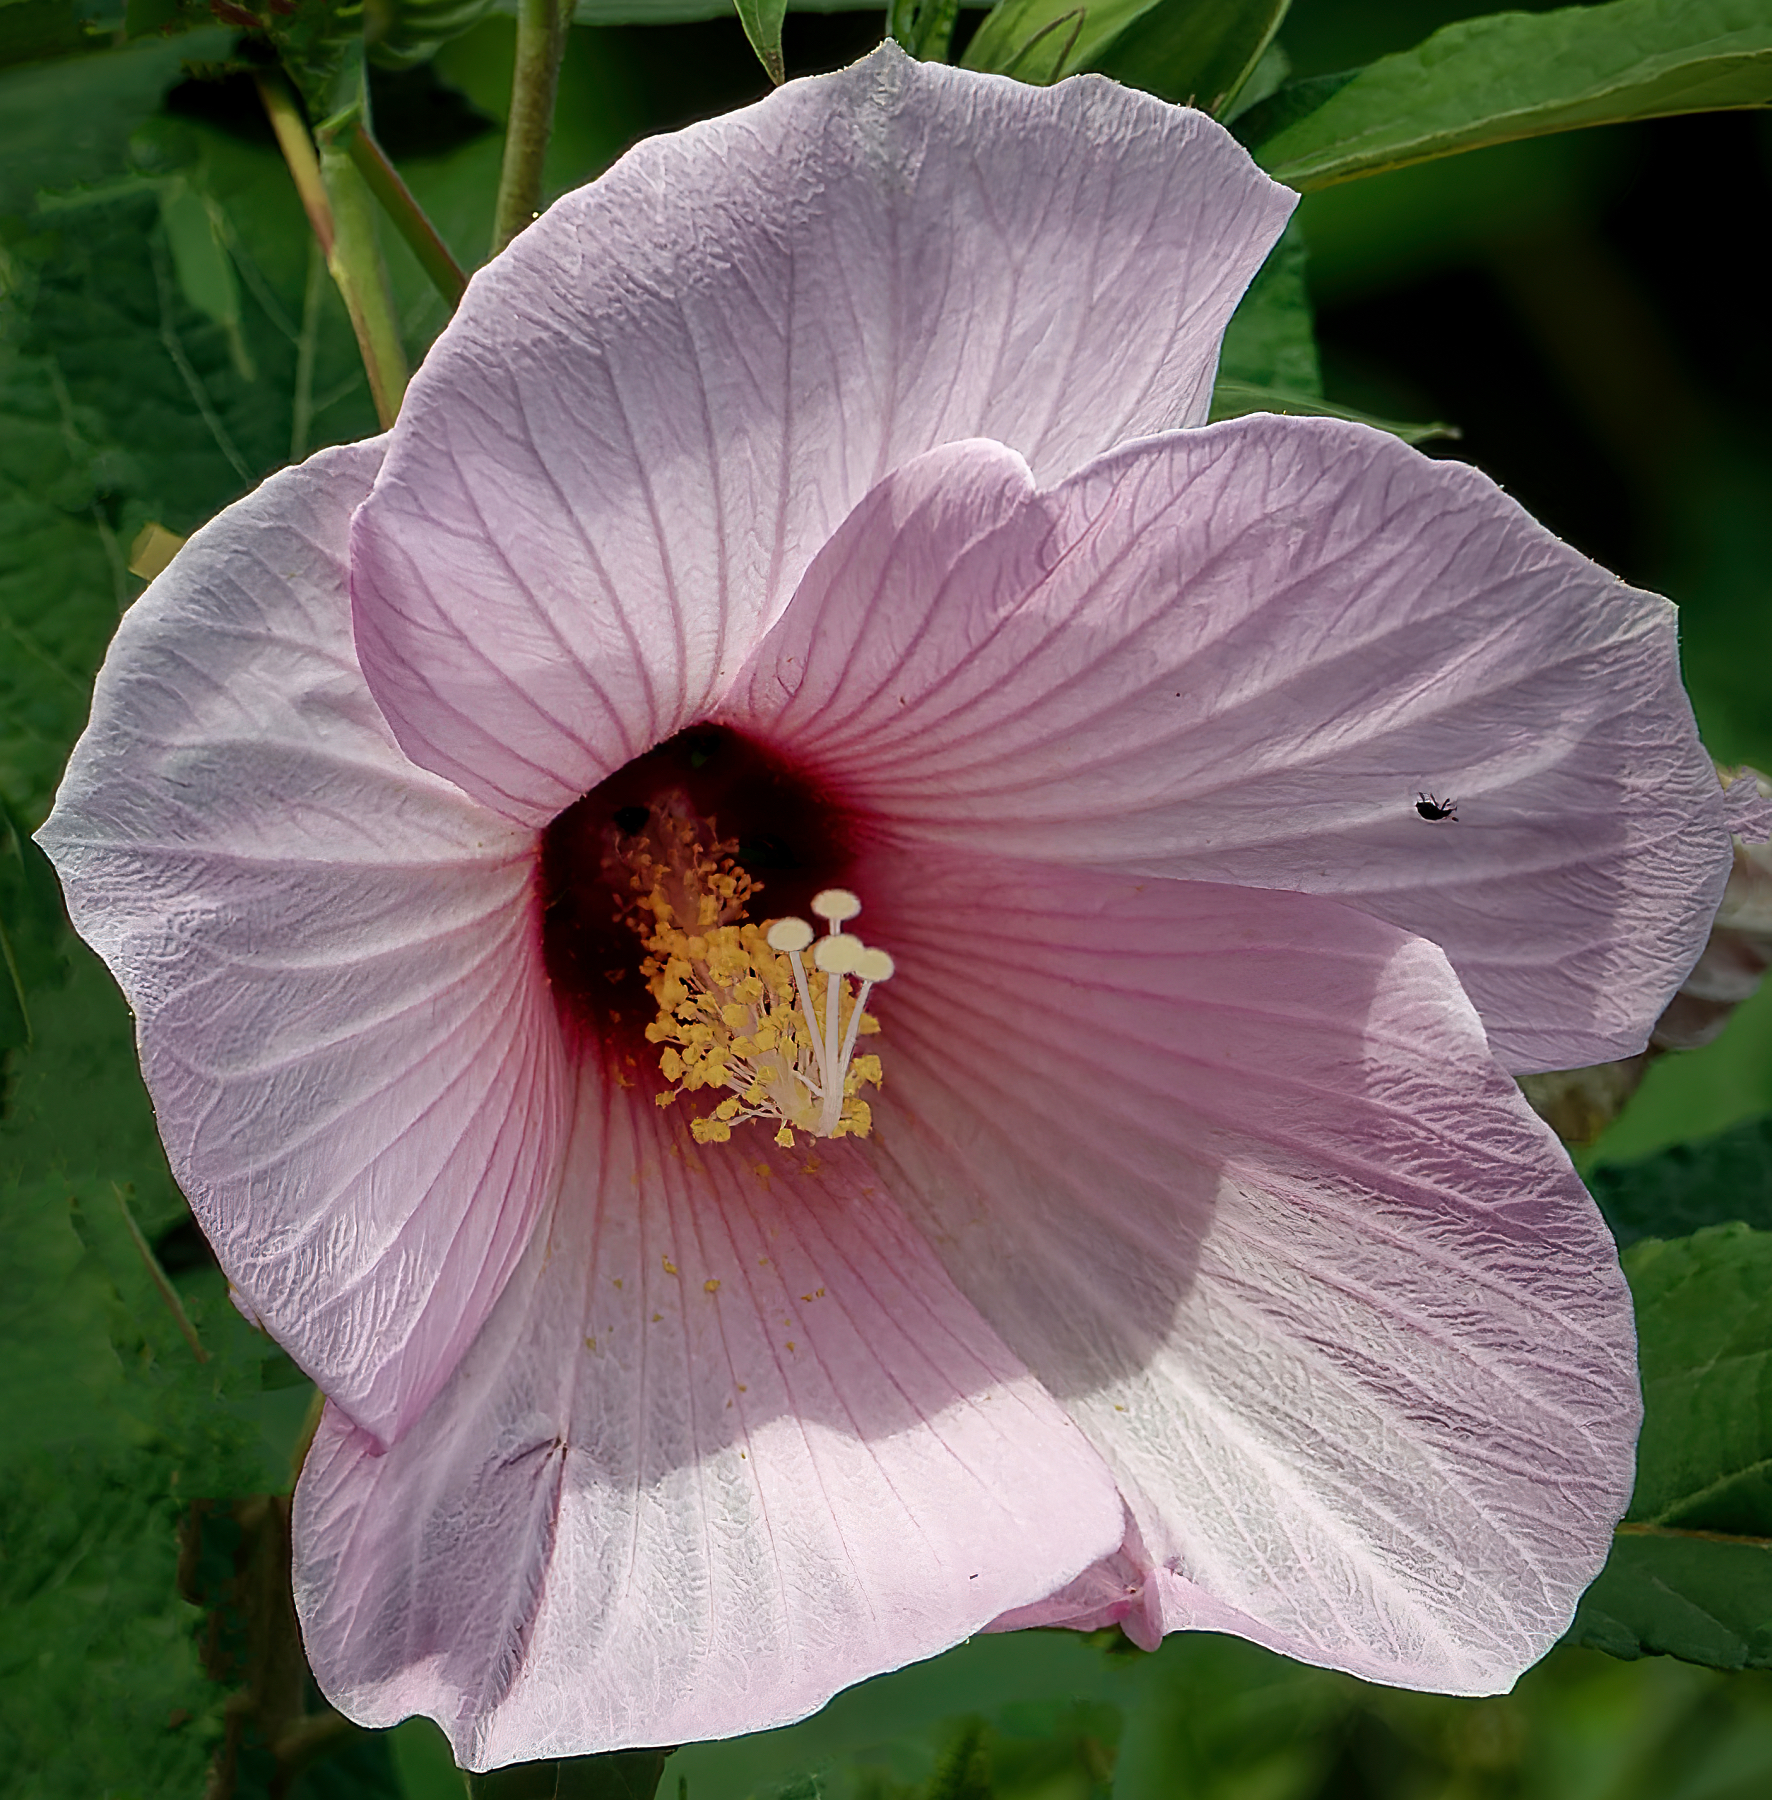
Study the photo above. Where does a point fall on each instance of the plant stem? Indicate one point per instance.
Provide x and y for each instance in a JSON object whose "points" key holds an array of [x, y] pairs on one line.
{"points": [[541, 43], [362, 277], [301, 415], [157, 1275], [339, 207], [408, 216], [298, 152]]}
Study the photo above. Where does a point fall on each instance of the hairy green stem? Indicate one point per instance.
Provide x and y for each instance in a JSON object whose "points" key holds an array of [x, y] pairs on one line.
{"points": [[291, 129], [362, 277], [306, 346], [407, 215], [342, 212], [541, 42], [157, 1275]]}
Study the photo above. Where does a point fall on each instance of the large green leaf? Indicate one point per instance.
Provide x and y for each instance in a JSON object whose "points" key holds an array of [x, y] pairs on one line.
{"points": [[1704, 1316], [1513, 75], [101, 1692], [70, 120], [1710, 1182], [1196, 52], [31, 933], [1271, 341], [1269, 360], [1705, 1600], [1691, 1570], [109, 1424]]}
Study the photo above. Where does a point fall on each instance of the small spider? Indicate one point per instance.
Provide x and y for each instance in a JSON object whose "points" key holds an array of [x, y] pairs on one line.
{"points": [[1430, 808]]}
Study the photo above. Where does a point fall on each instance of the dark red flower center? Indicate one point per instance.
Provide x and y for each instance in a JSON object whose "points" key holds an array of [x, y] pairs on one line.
{"points": [[784, 830]]}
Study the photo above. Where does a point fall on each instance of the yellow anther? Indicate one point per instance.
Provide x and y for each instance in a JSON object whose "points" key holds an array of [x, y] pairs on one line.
{"points": [[838, 953], [836, 905], [739, 1009]]}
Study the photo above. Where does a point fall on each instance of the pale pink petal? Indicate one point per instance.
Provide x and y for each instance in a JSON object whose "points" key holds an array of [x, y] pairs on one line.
{"points": [[730, 1442], [652, 410], [331, 955], [1243, 654], [1233, 1172]]}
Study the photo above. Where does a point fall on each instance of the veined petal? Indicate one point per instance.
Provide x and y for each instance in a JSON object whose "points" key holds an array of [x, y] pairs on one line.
{"points": [[650, 412], [331, 955], [1243, 654], [1234, 1173], [730, 1442]]}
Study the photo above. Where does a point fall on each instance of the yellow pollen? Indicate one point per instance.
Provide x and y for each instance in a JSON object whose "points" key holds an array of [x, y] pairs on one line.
{"points": [[739, 1009]]}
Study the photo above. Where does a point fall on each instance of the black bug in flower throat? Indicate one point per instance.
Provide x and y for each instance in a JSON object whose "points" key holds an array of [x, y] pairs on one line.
{"points": [[1431, 808]]}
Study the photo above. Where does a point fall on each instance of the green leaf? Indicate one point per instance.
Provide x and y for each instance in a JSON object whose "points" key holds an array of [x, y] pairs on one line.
{"points": [[401, 33], [1691, 1570], [78, 1112], [1690, 1186], [1269, 361], [31, 928], [1051, 1700], [121, 401], [1196, 52], [762, 20], [70, 121], [1271, 340], [1705, 1600], [63, 1377], [15, 1018], [1704, 1316], [193, 225], [101, 1692], [1513, 75], [1042, 41], [924, 28]]}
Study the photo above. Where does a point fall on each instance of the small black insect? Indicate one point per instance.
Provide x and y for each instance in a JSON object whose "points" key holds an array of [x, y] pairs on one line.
{"points": [[1430, 808]]}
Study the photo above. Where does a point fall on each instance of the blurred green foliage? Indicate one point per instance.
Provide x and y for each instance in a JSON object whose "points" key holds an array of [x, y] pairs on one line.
{"points": [[1691, 1570], [1512, 75], [167, 337]]}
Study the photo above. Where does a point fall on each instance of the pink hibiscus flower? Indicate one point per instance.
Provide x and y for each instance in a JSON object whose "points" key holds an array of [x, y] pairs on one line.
{"points": [[1231, 809]]}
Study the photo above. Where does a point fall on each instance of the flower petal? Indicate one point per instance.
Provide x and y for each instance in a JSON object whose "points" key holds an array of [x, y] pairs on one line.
{"points": [[1233, 1172], [331, 955], [650, 412], [1242, 654], [730, 1442]]}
